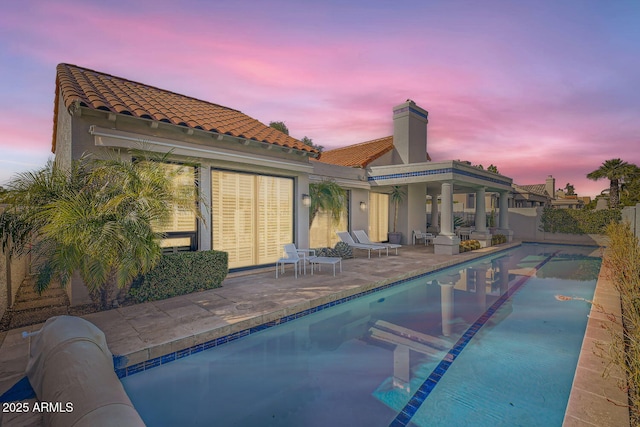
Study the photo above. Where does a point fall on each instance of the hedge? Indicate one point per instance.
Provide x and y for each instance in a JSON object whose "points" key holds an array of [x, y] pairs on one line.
{"points": [[578, 221], [181, 273]]}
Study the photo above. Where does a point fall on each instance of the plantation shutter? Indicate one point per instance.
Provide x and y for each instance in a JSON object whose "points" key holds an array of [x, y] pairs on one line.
{"points": [[378, 216], [232, 212], [252, 216], [275, 217]]}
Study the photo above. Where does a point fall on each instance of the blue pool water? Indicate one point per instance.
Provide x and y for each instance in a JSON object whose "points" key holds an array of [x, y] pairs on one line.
{"points": [[368, 362]]}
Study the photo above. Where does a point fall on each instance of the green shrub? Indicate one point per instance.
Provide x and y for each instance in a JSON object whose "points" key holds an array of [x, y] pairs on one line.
{"points": [[326, 252], [578, 221], [180, 274], [343, 250], [497, 239]]}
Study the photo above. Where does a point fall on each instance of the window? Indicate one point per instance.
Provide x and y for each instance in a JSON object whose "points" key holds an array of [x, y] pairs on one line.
{"points": [[322, 232], [181, 227], [471, 201], [378, 216], [252, 216]]}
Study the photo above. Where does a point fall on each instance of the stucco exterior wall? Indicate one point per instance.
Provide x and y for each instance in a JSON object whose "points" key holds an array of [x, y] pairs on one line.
{"points": [[277, 162], [12, 273], [63, 136], [631, 215], [526, 223]]}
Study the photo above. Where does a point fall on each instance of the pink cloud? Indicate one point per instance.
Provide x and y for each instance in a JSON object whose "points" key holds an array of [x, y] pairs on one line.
{"points": [[498, 90]]}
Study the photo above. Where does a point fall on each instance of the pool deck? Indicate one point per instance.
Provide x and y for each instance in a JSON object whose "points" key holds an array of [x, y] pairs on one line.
{"points": [[146, 331], [594, 400]]}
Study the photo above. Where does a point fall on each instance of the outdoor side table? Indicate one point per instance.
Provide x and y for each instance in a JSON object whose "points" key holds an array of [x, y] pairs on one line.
{"points": [[325, 260]]}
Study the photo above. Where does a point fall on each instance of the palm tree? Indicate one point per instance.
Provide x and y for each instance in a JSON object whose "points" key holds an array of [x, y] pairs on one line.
{"points": [[615, 170], [96, 219], [397, 196], [327, 196]]}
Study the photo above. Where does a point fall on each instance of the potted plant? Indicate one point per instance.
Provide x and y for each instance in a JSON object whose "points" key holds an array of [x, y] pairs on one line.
{"points": [[397, 196]]}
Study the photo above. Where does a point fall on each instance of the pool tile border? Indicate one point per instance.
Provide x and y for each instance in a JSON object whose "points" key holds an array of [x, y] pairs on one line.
{"points": [[123, 371], [409, 410]]}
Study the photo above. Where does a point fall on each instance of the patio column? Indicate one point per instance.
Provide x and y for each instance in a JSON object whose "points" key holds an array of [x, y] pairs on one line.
{"points": [[446, 303], [447, 243], [480, 273], [204, 232], [481, 211], [446, 206], [481, 234], [504, 216], [435, 222]]}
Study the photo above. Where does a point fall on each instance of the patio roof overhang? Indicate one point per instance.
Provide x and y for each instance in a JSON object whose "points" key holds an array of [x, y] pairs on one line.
{"points": [[465, 178]]}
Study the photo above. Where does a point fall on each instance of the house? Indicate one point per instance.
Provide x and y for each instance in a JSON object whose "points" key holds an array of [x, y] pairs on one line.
{"points": [[253, 178], [529, 196], [403, 160]]}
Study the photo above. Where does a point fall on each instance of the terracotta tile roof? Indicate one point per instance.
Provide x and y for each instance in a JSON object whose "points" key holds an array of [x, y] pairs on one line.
{"points": [[100, 91], [358, 155]]}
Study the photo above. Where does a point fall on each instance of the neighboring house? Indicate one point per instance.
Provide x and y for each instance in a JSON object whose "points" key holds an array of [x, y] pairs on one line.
{"points": [[568, 201], [529, 196], [253, 178]]}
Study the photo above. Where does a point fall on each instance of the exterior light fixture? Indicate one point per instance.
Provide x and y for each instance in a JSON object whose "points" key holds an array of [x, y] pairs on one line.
{"points": [[306, 200], [363, 206]]}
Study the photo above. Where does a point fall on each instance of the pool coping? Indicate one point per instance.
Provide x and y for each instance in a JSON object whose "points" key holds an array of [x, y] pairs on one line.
{"points": [[595, 399]]}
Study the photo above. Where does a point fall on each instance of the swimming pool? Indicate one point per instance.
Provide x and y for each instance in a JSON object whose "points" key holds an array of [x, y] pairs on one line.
{"points": [[450, 348]]}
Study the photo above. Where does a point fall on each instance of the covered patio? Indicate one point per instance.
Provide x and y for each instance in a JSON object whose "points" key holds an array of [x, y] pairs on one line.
{"points": [[440, 181]]}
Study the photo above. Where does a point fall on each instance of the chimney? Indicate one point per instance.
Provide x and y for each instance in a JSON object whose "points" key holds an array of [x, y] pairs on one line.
{"points": [[410, 132], [550, 186]]}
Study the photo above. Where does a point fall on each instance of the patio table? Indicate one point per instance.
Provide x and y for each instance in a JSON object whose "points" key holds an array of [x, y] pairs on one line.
{"points": [[325, 260]]}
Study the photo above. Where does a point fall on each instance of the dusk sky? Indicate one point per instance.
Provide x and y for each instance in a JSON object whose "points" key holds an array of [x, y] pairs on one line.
{"points": [[534, 87]]}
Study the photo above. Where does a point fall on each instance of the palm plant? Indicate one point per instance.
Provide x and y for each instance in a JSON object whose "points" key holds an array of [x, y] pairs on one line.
{"points": [[615, 170], [327, 196], [397, 195], [96, 219]]}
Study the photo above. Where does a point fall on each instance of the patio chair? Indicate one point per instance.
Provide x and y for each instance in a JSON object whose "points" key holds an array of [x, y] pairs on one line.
{"points": [[427, 237], [363, 238], [346, 237], [294, 256]]}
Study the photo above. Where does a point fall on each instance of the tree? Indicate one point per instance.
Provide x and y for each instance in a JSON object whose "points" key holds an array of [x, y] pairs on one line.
{"points": [[493, 168], [280, 126], [96, 218], [569, 189], [397, 196], [308, 141], [615, 170], [327, 196], [630, 189]]}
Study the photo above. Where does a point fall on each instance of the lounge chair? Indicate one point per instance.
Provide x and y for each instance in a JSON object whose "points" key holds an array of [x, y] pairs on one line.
{"points": [[363, 238], [293, 256], [427, 237], [346, 237]]}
